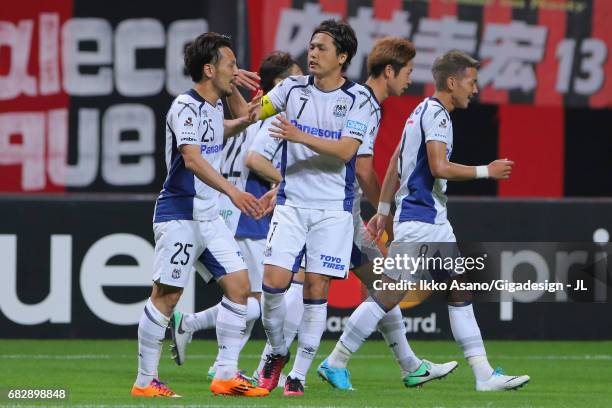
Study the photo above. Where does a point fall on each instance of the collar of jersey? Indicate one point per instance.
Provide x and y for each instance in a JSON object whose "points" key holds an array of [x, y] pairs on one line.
{"points": [[195, 95], [346, 85], [431, 98], [366, 86]]}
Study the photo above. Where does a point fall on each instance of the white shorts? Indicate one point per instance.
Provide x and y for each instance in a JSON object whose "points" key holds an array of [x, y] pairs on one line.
{"points": [[324, 237], [416, 231], [415, 239], [252, 252], [364, 250], [181, 245]]}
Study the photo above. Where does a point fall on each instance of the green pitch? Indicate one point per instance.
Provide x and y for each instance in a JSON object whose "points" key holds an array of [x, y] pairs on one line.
{"points": [[563, 374]]}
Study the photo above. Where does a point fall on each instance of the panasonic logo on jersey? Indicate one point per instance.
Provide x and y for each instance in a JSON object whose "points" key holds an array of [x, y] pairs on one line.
{"points": [[211, 149], [315, 131]]}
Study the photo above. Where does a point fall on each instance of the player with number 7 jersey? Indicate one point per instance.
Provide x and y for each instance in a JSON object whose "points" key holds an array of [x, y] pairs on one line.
{"points": [[324, 121]]}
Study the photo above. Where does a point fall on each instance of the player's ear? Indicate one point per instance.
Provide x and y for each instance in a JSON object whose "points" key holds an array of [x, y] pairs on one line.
{"points": [[342, 58], [389, 72], [208, 70], [451, 83]]}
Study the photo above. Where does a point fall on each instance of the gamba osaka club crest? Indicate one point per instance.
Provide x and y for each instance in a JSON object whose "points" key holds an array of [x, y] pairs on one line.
{"points": [[341, 107]]}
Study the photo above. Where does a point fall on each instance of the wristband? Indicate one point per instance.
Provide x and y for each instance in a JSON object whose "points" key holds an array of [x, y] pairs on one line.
{"points": [[482, 172], [384, 208]]}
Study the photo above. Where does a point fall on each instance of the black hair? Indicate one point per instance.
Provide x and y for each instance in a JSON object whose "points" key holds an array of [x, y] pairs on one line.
{"points": [[277, 64], [204, 50], [344, 38]]}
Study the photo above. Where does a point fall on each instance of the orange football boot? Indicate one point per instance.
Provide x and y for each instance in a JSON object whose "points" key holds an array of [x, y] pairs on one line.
{"points": [[155, 388], [237, 386]]}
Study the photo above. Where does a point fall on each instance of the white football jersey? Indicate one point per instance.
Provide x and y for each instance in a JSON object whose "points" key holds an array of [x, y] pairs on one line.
{"points": [[190, 120], [421, 197], [311, 180], [233, 168], [367, 146]]}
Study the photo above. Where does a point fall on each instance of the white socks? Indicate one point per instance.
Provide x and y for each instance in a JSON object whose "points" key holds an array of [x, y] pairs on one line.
{"points": [[253, 313], [203, 320], [207, 319], [467, 335], [393, 329], [294, 305], [481, 367], [294, 301], [151, 332], [273, 314], [359, 327], [340, 356], [231, 325], [313, 325]]}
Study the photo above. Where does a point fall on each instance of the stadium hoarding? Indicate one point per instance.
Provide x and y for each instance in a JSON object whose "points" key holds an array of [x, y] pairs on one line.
{"points": [[81, 268], [546, 74], [85, 85], [535, 52]]}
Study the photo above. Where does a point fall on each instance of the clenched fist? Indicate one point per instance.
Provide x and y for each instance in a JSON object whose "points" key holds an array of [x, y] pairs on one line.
{"points": [[500, 169]]}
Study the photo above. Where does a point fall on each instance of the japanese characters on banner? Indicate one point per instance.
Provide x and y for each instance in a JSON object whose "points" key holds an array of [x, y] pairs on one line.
{"points": [[511, 38]]}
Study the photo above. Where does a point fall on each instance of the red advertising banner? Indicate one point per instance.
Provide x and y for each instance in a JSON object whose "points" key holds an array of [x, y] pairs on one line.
{"points": [[33, 103], [538, 58], [552, 52]]}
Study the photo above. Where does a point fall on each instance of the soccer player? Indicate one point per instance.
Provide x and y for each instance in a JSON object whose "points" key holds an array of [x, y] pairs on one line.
{"points": [[389, 68], [265, 150], [254, 176], [186, 224], [326, 119], [422, 158]]}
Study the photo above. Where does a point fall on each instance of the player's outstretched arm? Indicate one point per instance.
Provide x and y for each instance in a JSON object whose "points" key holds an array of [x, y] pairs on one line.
{"points": [[364, 168], [441, 168], [194, 162], [263, 167], [232, 127], [343, 149]]}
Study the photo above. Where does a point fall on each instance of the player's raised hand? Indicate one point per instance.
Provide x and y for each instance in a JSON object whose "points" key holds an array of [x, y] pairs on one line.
{"points": [[254, 107], [283, 129], [268, 201], [247, 79], [247, 203], [500, 169], [376, 226]]}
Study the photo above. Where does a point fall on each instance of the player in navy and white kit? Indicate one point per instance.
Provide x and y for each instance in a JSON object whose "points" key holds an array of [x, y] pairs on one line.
{"points": [[389, 68], [242, 169], [422, 167], [264, 158], [325, 120], [188, 230]]}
